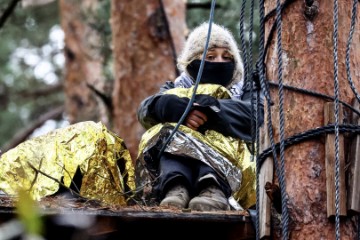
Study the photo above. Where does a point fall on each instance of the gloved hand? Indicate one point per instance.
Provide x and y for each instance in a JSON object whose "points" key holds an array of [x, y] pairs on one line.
{"points": [[206, 104], [170, 108], [205, 108]]}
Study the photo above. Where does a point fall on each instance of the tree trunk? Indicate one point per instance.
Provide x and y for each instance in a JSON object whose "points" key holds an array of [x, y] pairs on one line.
{"points": [[83, 63], [143, 58], [308, 64]]}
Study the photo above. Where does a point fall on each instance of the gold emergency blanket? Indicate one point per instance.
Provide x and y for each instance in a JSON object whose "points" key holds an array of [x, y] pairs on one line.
{"points": [[229, 156], [38, 165]]}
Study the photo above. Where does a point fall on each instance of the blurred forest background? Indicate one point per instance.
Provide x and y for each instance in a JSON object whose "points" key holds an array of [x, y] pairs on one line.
{"points": [[60, 60]]}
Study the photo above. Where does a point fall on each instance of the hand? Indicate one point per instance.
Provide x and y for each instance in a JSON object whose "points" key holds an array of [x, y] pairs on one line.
{"points": [[195, 119]]}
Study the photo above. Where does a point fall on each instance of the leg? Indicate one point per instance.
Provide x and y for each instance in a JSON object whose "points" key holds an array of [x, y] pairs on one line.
{"points": [[174, 170], [175, 180], [207, 176], [213, 190]]}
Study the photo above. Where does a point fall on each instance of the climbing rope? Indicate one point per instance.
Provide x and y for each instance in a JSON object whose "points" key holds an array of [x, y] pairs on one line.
{"points": [[315, 94], [260, 67], [282, 181], [276, 148], [192, 99], [242, 41], [307, 135], [336, 113]]}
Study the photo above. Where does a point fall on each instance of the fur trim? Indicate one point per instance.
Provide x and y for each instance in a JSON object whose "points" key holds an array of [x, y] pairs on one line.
{"points": [[220, 37]]}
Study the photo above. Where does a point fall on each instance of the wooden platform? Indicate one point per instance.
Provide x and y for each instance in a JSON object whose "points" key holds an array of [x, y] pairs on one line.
{"points": [[72, 219]]}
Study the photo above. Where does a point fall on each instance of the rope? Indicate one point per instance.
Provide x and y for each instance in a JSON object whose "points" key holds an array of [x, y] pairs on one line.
{"points": [[250, 46], [336, 93], [260, 66], [192, 99], [316, 94], [336, 128], [347, 60], [242, 41], [307, 135], [272, 30], [282, 181]]}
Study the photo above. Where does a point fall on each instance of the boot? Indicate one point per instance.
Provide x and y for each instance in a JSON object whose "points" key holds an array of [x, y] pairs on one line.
{"points": [[210, 198], [177, 197]]}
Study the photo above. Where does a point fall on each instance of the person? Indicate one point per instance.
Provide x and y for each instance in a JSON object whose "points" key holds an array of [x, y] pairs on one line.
{"points": [[203, 165]]}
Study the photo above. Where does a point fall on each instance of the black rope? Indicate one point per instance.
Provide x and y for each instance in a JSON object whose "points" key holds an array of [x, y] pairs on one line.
{"points": [[242, 41], [257, 135], [272, 13], [250, 46], [188, 107], [336, 113], [273, 27], [311, 133], [315, 94], [282, 179], [261, 67], [307, 135]]}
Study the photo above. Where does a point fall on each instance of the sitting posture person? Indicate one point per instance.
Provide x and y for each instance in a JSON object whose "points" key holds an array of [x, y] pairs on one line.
{"points": [[207, 162]]}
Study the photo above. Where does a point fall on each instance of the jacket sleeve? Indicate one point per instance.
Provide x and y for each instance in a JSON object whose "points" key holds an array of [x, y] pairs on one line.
{"points": [[146, 111], [235, 116]]}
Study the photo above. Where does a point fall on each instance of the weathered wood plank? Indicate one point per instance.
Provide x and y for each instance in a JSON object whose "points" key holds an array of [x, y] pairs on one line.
{"points": [[329, 117], [266, 175], [354, 170], [140, 223]]}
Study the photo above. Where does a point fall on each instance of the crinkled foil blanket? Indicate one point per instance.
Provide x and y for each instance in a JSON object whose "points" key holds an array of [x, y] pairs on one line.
{"points": [[230, 157], [40, 165]]}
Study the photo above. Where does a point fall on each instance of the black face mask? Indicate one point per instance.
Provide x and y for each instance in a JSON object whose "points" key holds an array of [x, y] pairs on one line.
{"points": [[214, 72]]}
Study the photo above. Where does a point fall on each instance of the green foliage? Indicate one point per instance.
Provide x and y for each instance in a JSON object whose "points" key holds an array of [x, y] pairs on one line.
{"points": [[29, 214], [25, 49]]}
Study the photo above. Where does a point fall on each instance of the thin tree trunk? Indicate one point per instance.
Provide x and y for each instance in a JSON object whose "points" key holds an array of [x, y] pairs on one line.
{"points": [[308, 64], [143, 58]]}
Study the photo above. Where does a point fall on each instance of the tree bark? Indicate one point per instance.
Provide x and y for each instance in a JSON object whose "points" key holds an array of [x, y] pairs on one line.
{"points": [[143, 58], [308, 64], [83, 63]]}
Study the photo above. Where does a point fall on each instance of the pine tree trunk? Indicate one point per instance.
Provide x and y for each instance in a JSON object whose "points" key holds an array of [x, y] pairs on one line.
{"points": [[308, 64], [143, 58], [83, 63]]}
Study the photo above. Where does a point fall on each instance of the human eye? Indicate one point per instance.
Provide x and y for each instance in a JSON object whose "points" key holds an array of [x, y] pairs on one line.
{"points": [[210, 57], [228, 57]]}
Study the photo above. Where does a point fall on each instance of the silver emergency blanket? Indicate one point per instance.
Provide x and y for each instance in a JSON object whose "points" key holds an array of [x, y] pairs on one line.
{"points": [[228, 156]]}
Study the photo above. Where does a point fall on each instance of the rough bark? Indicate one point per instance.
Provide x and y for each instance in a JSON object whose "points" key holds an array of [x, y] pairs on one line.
{"points": [[143, 58], [83, 63], [308, 63]]}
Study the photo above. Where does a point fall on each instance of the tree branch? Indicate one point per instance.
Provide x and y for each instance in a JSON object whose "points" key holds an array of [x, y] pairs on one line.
{"points": [[41, 92], [23, 134], [8, 11]]}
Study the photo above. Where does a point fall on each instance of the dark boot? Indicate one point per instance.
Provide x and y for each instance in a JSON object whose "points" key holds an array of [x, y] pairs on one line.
{"points": [[177, 197]]}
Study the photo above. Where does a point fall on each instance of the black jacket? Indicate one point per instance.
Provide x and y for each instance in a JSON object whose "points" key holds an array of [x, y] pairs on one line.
{"points": [[233, 119]]}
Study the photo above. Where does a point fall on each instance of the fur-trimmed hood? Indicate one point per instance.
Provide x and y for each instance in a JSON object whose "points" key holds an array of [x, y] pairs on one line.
{"points": [[220, 37]]}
